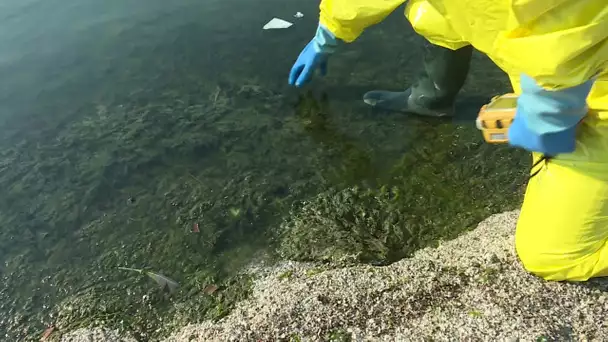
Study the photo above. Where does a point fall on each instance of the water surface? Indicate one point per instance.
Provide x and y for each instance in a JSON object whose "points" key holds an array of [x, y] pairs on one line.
{"points": [[124, 123]]}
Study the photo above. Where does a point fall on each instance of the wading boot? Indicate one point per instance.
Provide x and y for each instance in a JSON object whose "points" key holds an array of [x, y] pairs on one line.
{"points": [[435, 90]]}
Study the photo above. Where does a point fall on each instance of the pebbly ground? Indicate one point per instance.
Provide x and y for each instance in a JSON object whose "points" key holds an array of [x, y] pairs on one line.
{"points": [[469, 288]]}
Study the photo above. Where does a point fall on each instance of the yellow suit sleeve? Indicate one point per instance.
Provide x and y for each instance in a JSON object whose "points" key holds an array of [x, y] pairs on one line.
{"points": [[347, 19], [563, 46]]}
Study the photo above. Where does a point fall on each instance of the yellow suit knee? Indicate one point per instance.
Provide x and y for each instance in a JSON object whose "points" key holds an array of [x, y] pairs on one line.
{"points": [[562, 232]]}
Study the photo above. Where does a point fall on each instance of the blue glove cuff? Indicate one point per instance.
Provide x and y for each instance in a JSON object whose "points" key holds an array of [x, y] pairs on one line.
{"points": [[325, 41], [552, 111], [545, 121], [549, 143]]}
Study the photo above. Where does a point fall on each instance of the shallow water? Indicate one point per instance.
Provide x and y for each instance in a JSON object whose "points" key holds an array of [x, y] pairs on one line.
{"points": [[124, 123]]}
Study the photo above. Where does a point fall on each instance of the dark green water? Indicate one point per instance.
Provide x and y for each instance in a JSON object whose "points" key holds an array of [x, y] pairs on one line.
{"points": [[123, 123]]}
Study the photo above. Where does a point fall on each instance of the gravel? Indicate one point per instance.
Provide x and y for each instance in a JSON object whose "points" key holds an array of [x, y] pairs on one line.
{"points": [[469, 288], [95, 335]]}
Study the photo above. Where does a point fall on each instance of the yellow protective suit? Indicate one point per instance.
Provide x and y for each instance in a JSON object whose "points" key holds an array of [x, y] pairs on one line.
{"points": [[562, 233]]}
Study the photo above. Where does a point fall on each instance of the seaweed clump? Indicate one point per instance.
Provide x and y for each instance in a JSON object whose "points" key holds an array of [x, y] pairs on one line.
{"points": [[352, 225]]}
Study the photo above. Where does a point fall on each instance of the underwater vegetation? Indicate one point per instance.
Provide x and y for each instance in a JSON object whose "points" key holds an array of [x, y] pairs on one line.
{"points": [[143, 151]]}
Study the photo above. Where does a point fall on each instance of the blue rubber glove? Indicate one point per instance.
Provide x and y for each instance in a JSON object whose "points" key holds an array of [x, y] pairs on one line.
{"points": [[314, 56], [546, 121]]}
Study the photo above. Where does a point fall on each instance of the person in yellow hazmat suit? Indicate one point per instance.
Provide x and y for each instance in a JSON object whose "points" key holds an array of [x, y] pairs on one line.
{"points": [[556, 55]]}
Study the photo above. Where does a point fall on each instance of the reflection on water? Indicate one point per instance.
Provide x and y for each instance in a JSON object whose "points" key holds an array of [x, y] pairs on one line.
{"points": [[124, 124]]}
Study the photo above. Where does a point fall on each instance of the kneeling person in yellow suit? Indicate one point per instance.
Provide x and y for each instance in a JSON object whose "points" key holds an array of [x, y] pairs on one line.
{"points": [[556, 55]]}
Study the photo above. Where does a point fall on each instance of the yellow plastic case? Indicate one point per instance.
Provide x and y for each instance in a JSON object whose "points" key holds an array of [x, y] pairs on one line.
{"points": [[495, 118]]}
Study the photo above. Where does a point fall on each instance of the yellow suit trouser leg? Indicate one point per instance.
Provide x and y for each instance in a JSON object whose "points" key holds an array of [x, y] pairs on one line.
{"points": [[562, 232]]}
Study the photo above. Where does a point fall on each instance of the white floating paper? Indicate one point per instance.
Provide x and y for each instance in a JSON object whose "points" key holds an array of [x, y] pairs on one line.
{"points": [[277, 23]]}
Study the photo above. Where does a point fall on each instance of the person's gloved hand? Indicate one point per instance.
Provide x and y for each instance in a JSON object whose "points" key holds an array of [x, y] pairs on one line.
{"points": [[546, 121], [314, 56]]}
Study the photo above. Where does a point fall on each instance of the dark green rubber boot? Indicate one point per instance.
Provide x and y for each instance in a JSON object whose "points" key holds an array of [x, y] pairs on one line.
{"points": [[435, 90]]}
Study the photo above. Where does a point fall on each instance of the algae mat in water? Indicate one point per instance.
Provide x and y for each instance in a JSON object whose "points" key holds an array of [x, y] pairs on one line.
{"points": [[143, 121]]}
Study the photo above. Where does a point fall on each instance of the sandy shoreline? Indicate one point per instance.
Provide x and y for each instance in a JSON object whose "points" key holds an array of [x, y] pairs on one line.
{"points": [[472, 287]]}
